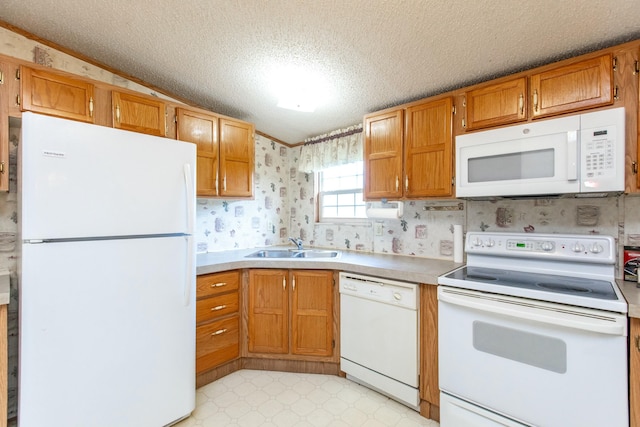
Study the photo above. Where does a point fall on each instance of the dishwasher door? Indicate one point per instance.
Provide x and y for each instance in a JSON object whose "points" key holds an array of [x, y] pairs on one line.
{"points": [[379, 335]]}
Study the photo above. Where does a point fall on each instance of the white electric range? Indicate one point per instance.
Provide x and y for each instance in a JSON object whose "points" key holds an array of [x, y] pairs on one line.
{"points": [[533, 332]]}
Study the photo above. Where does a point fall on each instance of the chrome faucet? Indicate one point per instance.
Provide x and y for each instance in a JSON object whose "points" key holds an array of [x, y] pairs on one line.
{"points": [[297, 242]]}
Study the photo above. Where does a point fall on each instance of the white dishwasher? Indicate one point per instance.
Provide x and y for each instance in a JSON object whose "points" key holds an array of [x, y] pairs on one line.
{"points": [[379, 335]]}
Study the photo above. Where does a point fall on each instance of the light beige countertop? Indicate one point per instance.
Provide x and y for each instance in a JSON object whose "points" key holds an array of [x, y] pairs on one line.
{"points": [[399, 267], [4, 287], [632, 294]]}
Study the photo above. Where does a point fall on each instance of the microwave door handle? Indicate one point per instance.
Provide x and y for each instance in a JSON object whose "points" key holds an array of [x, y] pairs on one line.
{"points": [[572, 155]]}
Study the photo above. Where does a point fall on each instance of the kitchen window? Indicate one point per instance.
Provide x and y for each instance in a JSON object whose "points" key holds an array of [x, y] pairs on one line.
{"points": [[340, 195]]}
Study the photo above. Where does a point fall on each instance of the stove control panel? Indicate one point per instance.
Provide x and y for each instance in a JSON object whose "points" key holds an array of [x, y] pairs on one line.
{"points": [[574, 247]]}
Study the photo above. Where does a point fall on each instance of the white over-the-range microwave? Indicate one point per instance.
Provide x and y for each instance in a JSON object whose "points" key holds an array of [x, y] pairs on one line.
{"points": [[581, 154]]}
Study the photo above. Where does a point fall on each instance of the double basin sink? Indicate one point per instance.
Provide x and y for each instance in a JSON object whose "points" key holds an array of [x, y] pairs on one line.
{"points": [[294, 253]]}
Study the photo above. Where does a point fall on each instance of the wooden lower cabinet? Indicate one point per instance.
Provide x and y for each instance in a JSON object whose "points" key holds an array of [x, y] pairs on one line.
{"points": [[634, 372], [217, 319], [290, 312], [429, 385]]}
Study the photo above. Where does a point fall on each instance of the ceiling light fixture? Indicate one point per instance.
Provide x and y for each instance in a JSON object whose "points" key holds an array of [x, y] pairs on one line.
{"points": [[298, 89]]}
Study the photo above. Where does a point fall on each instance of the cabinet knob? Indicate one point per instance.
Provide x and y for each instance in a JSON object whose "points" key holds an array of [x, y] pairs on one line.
{"points": [[218, 332], [219, 284], [218, 307]]}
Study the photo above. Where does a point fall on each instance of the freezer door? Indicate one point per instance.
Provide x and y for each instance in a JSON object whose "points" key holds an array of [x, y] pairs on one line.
{"points": [[107, 337], [80, 180]]}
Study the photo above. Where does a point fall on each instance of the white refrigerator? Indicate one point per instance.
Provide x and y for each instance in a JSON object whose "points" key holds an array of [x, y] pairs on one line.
{"points": [[107, 276]]}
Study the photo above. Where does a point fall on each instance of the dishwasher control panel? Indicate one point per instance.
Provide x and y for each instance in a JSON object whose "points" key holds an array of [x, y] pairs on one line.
{"points": [[387, 291]]}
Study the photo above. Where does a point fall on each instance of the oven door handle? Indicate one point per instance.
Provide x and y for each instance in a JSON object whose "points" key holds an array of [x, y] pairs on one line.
{"points": [[602, 323]]}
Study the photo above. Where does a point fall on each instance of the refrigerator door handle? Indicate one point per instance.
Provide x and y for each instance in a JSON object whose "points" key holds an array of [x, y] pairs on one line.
{"points": [[190, 197]]}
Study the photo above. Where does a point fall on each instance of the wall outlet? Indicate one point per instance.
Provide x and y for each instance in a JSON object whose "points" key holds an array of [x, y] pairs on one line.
{"points": [[377, 228]]}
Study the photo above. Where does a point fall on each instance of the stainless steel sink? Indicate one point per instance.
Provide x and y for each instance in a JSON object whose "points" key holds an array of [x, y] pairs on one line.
{"points": [[317, 253], [294, 253]]}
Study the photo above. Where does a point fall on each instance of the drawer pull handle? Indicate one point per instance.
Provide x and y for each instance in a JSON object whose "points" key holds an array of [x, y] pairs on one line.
{"points": [[219, 284], [218, 332], [219, 307]]}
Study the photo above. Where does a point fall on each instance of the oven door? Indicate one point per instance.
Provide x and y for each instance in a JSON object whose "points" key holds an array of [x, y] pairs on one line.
{"points": [[536, 158], [536, 363]]}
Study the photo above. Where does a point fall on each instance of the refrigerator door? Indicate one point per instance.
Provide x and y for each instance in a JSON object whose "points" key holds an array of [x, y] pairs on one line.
{"points": [[81, 180], [106, 338]]}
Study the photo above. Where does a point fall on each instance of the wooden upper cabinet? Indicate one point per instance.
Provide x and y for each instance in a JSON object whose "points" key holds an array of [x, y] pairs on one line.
{"points": [[56, 95], [578, 86], [9, 107], [237, 145], [202, 130], [383, 141], [312, 313], [497, 104], [138, 114], [428, 145]]}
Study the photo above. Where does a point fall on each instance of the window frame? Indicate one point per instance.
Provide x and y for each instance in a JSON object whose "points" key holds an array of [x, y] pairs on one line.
{"points": [[320, 218]]}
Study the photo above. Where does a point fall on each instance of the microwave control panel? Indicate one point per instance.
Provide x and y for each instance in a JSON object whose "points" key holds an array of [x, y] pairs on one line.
{"points": [[602, 146], [598, 152]]}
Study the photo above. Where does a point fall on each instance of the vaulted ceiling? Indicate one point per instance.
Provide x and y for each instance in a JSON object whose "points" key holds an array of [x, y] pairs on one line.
{"points": [[355, 56]]}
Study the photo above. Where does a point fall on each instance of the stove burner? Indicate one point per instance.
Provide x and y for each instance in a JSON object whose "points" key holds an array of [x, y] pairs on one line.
{"points": [[561, 287]]}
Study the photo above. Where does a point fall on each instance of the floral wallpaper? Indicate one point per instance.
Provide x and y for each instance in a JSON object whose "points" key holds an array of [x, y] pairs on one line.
{"points": [[224, 224], [284, 206]]}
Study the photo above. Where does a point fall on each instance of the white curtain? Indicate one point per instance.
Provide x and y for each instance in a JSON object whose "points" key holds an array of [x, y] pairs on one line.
{"points": [[333, 149]]}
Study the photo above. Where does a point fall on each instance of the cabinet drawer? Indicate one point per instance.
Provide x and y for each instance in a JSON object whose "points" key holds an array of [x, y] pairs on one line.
{"points": [[217, 306], [217, 343], [217, 283]]}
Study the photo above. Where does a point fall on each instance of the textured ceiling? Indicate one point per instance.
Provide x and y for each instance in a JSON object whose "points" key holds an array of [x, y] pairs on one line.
{"points": [[369, 54]]}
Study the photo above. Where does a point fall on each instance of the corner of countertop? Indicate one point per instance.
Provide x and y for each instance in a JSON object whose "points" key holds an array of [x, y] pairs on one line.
{"points": [[400, 267]]}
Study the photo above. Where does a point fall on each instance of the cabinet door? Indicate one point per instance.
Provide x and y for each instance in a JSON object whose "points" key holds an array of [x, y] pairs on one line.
{"points": [[9, 91], [312, 312], [236, 158], [585, 84], [202, 130], [383, 155], [56, 95], [268, 312], [138, 114], [428, 159], [634, 372], [497, 104]]}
